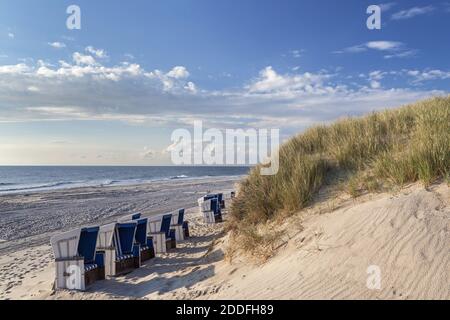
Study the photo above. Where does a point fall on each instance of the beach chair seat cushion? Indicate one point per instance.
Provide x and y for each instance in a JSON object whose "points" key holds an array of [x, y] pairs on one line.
{"points": [[147, 252], [89, 267], [124, 257]]}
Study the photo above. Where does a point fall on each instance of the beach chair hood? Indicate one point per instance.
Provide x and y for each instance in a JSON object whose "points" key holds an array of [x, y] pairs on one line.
{"points": [[165, 224], [65, 245], [87, 244], [141, 231], [105, 236], [124, 237], [180, 216]]}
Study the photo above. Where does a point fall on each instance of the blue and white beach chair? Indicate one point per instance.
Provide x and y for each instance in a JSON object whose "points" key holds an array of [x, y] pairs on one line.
{"points": [[211, 210], [162, 234], [181, 227], [77, 263], [122, 254], [145, 242]]}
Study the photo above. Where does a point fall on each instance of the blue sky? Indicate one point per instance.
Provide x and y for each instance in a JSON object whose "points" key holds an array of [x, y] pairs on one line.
{"points": [[112, 92]]}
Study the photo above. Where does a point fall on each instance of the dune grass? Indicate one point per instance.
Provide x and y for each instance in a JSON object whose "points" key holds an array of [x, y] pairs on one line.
{"points": [[392, 147]]}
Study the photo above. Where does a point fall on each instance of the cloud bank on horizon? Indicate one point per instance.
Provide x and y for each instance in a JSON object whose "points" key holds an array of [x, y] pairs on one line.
{"points": [[293, 83]]}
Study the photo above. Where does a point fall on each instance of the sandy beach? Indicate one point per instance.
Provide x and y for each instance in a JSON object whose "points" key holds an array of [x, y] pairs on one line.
{"points": [[324, 253], [28, 220]]}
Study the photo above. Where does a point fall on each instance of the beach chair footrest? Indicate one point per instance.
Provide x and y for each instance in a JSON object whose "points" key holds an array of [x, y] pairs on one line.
{"points": [[171, 243], [147, 253], [93, 274], [125, 265]]}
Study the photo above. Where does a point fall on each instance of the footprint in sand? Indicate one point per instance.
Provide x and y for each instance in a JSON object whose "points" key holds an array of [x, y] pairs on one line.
{"points": [[232, 271]]}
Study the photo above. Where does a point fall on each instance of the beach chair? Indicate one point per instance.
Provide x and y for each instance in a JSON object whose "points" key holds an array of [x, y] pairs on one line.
{"points": [[211, 211], [130, 217], [164, 239], [184, 223], [146, 243], [77, 262], [206, 198], [122, 254], [181, 227]]}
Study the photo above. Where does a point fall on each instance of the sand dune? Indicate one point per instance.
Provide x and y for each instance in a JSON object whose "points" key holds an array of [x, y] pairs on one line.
{"points": [[406, 235]]}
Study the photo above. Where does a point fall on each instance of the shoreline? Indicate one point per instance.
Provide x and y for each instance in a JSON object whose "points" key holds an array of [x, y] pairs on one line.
{"points": [[71, 185]]}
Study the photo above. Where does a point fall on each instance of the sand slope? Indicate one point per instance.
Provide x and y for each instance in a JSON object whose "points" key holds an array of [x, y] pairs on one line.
{"points": [[406, 235]]}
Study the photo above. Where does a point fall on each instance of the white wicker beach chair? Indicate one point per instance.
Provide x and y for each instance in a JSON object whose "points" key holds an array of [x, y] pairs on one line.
{"points": [[179, 224], [121, 252], [161, 232], [77, 262]]}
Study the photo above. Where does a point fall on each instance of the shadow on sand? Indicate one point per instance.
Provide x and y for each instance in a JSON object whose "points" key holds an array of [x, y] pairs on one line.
{"points": [[181, 268]]}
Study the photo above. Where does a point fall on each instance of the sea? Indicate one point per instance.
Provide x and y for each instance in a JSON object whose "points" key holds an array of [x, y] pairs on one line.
{"points": [[22, 179]]}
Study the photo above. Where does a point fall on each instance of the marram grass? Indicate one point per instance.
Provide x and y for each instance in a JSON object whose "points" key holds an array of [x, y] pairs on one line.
{"points": [[392, 147]]}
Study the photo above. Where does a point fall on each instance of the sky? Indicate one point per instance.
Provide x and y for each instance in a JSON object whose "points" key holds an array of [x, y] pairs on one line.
{"points": [[112, 92]]}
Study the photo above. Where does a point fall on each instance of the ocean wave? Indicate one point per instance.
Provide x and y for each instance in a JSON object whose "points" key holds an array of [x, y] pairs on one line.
{"points": [[91, 180], [35, 187], [108, 182], [182, 176]]}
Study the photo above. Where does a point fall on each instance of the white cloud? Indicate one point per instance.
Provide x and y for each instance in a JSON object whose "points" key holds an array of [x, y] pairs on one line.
{"points": [[127, 92], [54, 110], [412, 12], [375, 45], [190, 86], [81, 59], [178, 72], [428, 75], [375, 77], [148, 154], [270, 82], [384, 45], [33, 89], [375, 84], [402, 54], [99, 53], [11, 35], [297, 53], [57, 45], [14, 69], [393, 49]]}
